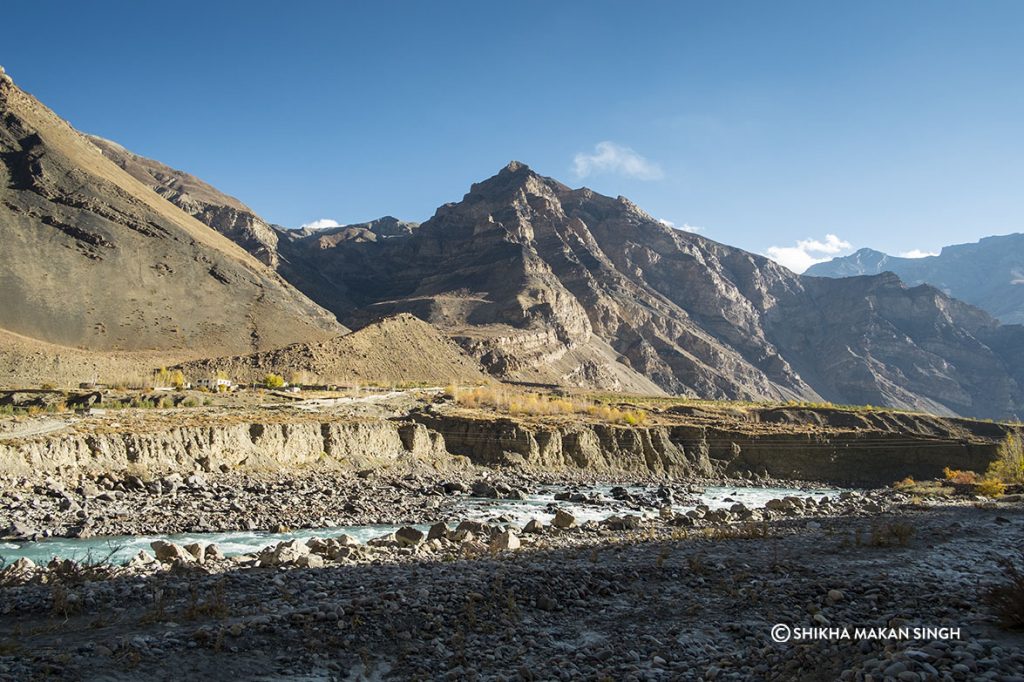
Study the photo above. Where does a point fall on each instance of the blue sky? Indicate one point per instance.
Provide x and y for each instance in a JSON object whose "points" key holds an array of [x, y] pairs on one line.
{"points": [[896, 125]]}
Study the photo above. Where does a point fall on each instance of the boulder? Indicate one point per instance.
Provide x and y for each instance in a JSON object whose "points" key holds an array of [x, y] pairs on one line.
{"points": [[310, 561], [284, 553], [438, 531], [142, 559], [19, 571], [408, 536], [627, 522], [563, 520], [534, 526], [169, 552], [505, 541], [19, 531], [474, 527], [198, 550], [485, 489]]}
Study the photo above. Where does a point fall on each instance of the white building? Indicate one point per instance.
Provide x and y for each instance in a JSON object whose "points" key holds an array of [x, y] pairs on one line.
{"points": [[214, 383]]}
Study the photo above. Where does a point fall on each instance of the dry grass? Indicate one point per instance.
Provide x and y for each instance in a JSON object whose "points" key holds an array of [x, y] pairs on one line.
{"points": [[990, 487], [960, 477], [534, 404], [1007, 599], [891, 534]]}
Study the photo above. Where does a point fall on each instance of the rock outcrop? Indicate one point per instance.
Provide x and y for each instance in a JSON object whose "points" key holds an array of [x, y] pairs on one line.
{"points": [[842, 447], [244, 446], [854, 451]]}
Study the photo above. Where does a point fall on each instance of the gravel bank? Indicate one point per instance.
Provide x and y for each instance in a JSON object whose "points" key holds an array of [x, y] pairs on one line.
{"points": [[665, 599]]}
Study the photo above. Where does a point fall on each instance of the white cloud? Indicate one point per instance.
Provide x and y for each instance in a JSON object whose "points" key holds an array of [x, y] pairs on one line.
{"points": [[917, 253], [609, 157], [807, 252], [685, 227], [321, 224]]}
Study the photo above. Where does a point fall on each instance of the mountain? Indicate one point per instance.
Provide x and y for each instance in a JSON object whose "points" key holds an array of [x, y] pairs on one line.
{"points": [[381, 228], [224, 213], [399, 349], [108, 251], [96, 260], [988, 273], [544, 283]]}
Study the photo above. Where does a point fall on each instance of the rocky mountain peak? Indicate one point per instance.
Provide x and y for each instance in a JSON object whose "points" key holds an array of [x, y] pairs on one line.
{"points": [[514, 166], [514, 180]]}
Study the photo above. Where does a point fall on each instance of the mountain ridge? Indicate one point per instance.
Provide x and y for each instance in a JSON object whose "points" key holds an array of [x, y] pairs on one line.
{"points": [[537, 281], [988, 273], [542, 282], [96, 260]]}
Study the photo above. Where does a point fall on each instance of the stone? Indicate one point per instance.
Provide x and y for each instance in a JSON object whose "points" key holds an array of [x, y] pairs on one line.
{"points": [[408, 536], [485, 489], [198, 550], [474, 527], [169, 552], [505, 541], [894, 669], [310, 561], [213, 553], [19, 532], [284, 553], [438, 531], [534, 526], [563, 520], [473, 548], [835, 595], [19, 571], [142, 559], [454, 487]]}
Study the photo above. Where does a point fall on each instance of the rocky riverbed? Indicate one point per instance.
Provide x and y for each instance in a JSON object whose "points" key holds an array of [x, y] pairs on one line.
{"points": [[124, 504], [668, 596]]}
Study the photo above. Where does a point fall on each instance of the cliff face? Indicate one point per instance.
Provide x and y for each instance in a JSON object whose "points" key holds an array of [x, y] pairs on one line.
{"points": [[840, 448], [543, 283], [251, 446], [860, 453]]}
